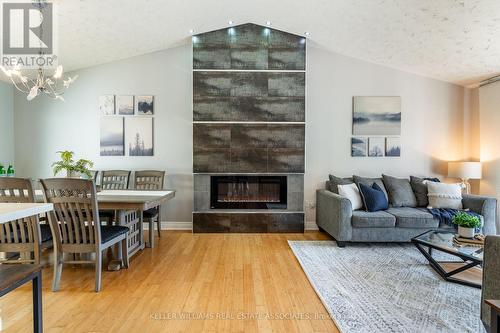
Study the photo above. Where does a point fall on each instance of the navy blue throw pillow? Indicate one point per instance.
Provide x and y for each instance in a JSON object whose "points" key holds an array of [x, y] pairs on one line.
{"points": [[373, 198]]}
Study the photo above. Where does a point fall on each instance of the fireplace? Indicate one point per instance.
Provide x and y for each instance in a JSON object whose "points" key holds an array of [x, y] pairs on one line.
{"points": [[248, 192]]}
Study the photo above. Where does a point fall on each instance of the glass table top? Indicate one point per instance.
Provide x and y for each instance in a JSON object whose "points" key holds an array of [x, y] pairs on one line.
{"points": [[443, 240]]}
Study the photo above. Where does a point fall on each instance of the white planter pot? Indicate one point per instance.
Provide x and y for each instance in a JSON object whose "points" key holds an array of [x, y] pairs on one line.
{"points": [[72, 174], [466, 232]]}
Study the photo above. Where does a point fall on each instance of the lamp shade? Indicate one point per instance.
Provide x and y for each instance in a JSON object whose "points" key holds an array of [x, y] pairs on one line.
{"points": [[464, 170]]}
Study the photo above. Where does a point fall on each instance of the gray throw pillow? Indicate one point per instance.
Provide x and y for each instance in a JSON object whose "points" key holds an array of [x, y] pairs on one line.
{"points": [[420, 190], [336, 181], [400, 192], [369, 182]]}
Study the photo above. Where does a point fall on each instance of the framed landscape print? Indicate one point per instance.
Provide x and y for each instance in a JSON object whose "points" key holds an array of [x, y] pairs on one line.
{"points": [[376, 147], [125, 105], [107, 105], [139, 136], [393, 146], [145, 105], [377, 115], [358, 147], [111, 136]]}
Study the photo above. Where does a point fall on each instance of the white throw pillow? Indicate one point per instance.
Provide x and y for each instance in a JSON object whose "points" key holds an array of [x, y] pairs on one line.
{"points": [[351, 192], [443, 195]]}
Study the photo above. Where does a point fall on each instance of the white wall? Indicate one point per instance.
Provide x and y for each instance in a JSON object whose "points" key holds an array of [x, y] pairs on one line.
{"points": [[431, 130], [489, 104], [6, 123], [431, 124], [45, 126]]}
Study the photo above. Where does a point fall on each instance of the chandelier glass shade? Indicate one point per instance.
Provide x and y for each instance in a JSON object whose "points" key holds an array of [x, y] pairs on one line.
{"points": [[35, 81], [53, 86]]}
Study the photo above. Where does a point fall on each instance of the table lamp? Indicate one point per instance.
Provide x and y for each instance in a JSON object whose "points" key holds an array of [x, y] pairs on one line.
{"points": [[465, 171]]}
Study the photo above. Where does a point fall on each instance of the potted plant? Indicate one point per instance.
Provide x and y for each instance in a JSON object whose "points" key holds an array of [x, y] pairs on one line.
{"points": [[73, 168], [467, 224]]}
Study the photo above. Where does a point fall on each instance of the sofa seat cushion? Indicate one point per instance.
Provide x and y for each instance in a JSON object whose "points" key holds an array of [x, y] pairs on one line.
{"points": [[380, 219], [407, 217]]}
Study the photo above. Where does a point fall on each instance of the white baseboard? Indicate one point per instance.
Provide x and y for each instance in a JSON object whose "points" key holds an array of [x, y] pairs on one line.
{"points": [[310, 225], [169, 225]]}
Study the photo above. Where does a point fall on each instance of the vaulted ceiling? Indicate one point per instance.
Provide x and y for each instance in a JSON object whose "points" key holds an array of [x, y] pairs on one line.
{"points": [[452, 40]]}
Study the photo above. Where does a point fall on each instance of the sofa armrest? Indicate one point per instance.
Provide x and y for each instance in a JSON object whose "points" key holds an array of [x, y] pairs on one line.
{"points": [[485, 206], [333, 214]]}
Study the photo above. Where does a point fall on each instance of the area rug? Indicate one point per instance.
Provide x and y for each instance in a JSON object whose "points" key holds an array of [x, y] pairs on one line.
{"points": [[386, 288]]}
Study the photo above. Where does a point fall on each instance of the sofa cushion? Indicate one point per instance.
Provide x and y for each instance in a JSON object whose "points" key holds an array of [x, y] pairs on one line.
{"points": [[369, 182], [407, 217], [400, 192], [351, 192], [336, 181], [419, 187], [380, 219], [444, 195], [373, 197]]}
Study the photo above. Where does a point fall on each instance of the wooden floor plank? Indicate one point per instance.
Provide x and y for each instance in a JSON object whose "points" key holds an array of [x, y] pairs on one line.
{"points": [[223, 282]]}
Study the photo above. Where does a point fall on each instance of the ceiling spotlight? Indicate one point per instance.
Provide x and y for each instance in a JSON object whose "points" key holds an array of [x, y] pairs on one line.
{"points": [[268, 23], [230, 22], [191, 31], [307, 33]]}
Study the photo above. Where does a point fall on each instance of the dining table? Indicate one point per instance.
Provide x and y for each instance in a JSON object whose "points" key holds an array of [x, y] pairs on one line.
{"points": [[129, 206], [16, 275]]}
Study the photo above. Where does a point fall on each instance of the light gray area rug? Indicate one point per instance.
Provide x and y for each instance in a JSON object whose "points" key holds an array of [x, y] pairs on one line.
{"points": [[386, 288]]}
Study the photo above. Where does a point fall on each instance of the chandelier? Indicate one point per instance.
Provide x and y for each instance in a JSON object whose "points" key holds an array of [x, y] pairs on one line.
{"points": [[53, 86], [34, 84]]}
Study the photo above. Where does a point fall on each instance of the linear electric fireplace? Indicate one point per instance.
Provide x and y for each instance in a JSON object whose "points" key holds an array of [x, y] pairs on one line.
{"points": [[248, 192]]}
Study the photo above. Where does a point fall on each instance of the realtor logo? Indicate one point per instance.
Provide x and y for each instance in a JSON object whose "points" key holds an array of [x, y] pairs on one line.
{"points": [[27, 28]]}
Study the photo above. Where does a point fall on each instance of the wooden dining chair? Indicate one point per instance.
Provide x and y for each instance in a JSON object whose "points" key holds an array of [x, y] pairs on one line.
{"points": [[94, 174], [150, 180], [26, 236], [115, 179], [76, 226]]}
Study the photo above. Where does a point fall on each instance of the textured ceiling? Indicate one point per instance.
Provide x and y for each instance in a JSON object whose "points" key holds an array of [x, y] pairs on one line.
{"points": [[451, 40]]}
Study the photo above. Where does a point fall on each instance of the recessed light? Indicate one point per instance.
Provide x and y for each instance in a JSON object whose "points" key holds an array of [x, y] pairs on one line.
{"points": [[307, 33], [268, 23], [230, 22], [191, 31]]}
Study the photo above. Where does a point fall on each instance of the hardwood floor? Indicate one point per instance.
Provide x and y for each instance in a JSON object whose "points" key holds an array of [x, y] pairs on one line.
{"points": [[188, 283]]}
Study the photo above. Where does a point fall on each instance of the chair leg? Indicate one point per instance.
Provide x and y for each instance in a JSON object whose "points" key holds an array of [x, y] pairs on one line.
{"points": [[98, 270], [125, 253], [151, 241], [158, 225], [57, 270]]}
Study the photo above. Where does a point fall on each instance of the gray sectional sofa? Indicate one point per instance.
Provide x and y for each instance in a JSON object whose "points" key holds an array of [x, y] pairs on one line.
{"points": [[334, 215]]}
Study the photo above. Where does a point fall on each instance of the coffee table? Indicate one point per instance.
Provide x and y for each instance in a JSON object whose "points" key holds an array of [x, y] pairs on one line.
{"points": [[442, 241]]}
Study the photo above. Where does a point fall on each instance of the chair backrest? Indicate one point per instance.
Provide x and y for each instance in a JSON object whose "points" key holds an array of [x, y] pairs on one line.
{"points": [[75, 219], [16, 190], [149, 180], [94, 174], [115, 179], [23, 234], [491, 276]]}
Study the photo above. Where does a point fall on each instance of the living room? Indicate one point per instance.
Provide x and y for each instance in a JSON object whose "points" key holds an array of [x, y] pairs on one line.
{"points": [[307, 168]]}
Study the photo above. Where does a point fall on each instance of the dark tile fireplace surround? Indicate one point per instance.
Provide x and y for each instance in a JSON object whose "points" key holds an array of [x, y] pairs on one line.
{"points": [[248, 130]]}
